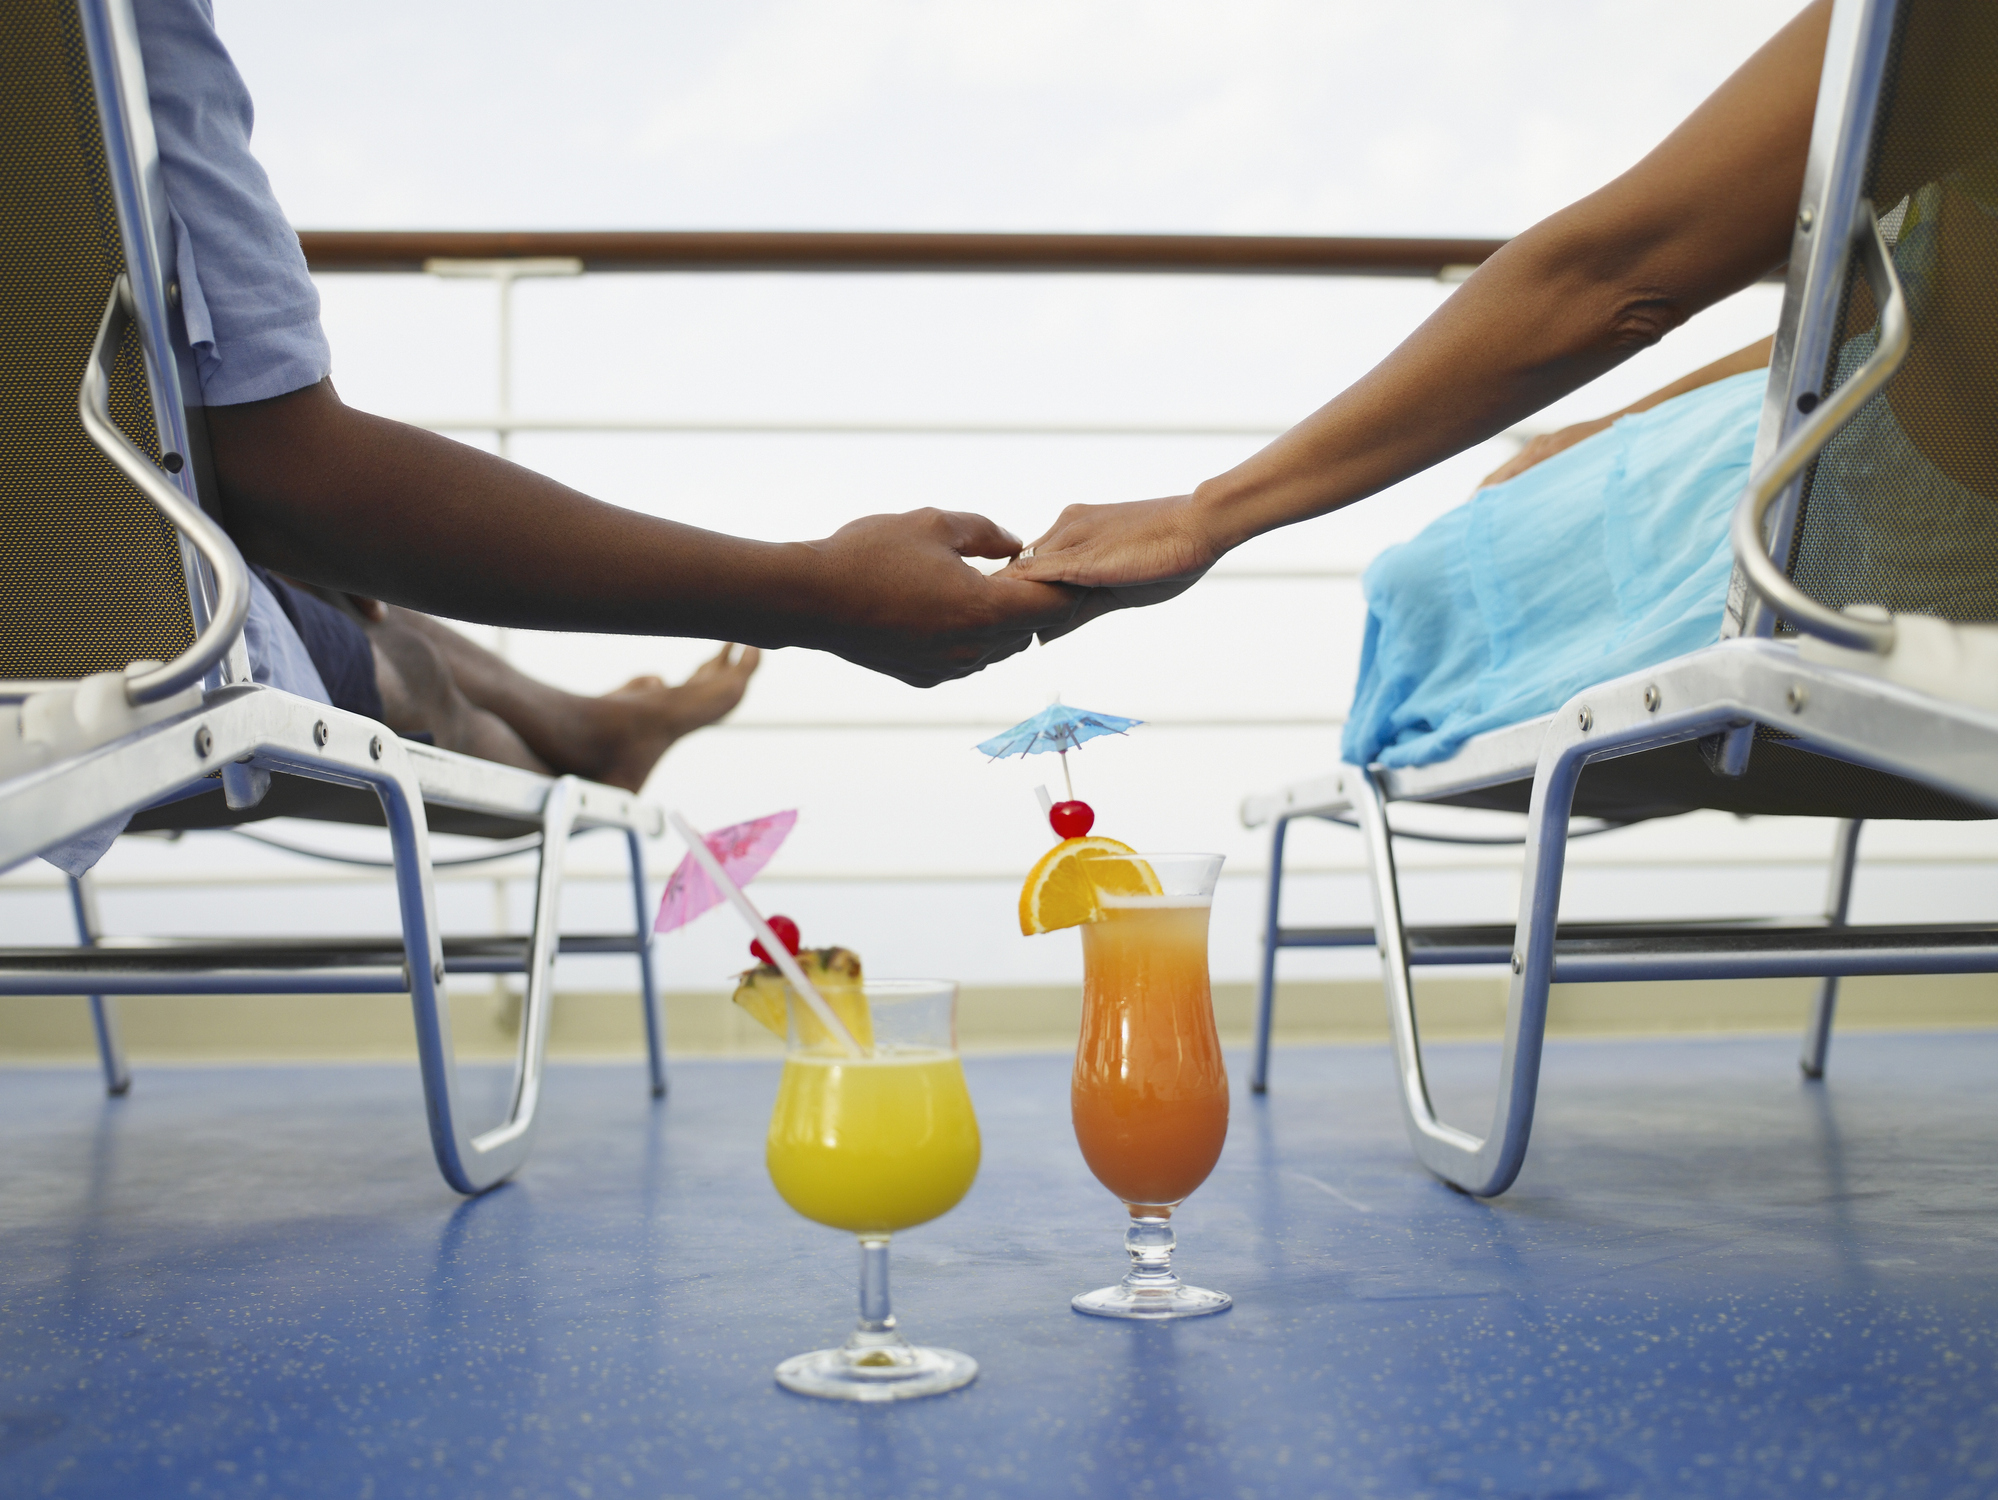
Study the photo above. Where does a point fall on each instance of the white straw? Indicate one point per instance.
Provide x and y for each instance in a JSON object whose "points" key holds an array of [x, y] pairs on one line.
{"points": [[1047, 802], [779, 954]]}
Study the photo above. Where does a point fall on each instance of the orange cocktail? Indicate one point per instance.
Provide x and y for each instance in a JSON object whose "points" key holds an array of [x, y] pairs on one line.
{"points": [[1149, 1093]]}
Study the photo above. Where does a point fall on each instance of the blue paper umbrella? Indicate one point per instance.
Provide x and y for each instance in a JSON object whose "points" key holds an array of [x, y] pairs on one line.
{"points": [[1059, 728]]}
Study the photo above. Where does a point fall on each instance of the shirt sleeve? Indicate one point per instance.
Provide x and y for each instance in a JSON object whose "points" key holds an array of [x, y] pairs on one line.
{"points": [[251, 310]]}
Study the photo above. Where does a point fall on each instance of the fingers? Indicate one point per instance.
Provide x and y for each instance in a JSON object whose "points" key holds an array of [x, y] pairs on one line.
{"points": [[973, 535], [733, 658], [1051, 555]]}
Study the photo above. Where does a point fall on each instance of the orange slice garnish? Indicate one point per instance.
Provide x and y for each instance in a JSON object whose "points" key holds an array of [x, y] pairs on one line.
{"points": [[1062, 889]]}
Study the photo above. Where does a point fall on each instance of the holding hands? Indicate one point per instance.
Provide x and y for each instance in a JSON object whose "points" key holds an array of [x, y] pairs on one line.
{"points": [[1140, 552], [895, 594]]}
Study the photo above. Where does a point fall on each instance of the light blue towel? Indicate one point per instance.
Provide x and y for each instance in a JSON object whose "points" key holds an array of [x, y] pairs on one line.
{"points": [[1605, 559]]}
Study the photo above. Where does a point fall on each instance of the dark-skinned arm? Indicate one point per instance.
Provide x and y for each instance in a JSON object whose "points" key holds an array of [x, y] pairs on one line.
{"points": [[1706, 213], [319, 490]]}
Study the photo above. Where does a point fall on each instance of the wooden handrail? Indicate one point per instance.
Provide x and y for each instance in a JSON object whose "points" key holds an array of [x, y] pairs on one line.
{"points": [[787, 250]]}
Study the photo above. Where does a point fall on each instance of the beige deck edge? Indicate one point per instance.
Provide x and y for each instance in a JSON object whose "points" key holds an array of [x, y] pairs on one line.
{"points": [[595, 1025]]}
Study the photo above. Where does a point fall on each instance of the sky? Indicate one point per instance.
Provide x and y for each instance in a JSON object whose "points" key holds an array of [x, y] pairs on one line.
{"points": [[1436, 117]]}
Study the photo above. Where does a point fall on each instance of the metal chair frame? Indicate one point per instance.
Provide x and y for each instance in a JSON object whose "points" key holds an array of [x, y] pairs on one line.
{"points": [[1726, 690], [162, 728]]}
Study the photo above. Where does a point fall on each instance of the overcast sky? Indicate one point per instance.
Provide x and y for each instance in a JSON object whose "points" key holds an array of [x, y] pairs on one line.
{"points": [[1281, 116]]}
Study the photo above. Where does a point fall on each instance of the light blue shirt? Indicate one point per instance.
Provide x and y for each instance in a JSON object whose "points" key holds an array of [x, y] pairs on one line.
{"points": [[251, 309]]}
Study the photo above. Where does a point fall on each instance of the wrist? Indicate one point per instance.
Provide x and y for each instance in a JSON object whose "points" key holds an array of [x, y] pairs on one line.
{"points": [[788, 595], [1224, 513]]}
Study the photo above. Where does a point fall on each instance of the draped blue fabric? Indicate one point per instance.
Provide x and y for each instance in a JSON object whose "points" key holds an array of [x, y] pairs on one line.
{"points": [[1605, 559]]}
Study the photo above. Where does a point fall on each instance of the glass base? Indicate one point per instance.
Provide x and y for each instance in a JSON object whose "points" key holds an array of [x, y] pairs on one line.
{"points": [[882, 1372], [1127, 1301], [1152, 1290]]}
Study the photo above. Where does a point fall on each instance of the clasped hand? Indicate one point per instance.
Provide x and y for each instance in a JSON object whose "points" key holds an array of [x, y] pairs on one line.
{"points": [[1136, 553], [901, 599]]}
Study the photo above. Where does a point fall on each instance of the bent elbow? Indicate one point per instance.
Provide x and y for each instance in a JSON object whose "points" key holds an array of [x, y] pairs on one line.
{"points": [[1641, 320]]}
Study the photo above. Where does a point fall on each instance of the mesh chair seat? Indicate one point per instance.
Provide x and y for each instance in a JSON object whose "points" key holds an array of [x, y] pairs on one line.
{"points": [[1782, 780], [96, 578], [320, 801]]}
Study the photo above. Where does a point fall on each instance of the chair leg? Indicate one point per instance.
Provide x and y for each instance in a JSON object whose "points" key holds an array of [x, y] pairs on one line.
{"points": [[1259, 1076], [1483, 1167], [558, 820], [648, 984], [472, 1164], [103, 1010], [1838, 898]]}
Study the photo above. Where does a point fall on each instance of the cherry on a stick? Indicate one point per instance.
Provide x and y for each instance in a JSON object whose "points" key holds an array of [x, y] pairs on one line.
{"points": [[787, 934], [1071, 820]]}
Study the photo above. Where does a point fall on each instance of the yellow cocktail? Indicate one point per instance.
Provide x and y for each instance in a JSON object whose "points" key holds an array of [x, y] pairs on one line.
{"points": [[873, 1144]]}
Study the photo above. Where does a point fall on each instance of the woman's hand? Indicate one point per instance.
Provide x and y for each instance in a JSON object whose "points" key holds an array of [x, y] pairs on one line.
{"points": [[1140, 552], [1544, 446]]}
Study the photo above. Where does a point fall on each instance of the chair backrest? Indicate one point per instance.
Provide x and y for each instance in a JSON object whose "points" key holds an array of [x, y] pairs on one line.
{"points": [[92, 577], [1901, 507]]}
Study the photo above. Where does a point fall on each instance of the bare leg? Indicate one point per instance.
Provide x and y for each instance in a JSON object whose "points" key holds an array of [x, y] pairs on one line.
{"points": [[421, 696], [616, 738]]}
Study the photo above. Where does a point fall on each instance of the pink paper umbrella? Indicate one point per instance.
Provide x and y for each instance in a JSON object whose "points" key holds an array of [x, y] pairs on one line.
{"points": [[742, 851]]}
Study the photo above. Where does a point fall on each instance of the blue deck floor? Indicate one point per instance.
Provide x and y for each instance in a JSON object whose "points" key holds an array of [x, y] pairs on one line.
{"points": [[1712, 1279]]}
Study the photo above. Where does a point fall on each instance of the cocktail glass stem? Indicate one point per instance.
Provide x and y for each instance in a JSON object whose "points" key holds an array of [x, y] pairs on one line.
{"points": [[874, 1314], [876, 1341], [1150, 1241]]}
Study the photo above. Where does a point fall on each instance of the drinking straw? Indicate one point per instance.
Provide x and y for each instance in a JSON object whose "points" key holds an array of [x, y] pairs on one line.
{"points": [[779, 954]]}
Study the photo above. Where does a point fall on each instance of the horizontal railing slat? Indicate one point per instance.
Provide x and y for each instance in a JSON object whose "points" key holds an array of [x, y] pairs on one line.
{"points": [[840, 250]]}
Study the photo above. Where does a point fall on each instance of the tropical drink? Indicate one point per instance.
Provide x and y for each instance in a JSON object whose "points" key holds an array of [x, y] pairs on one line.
{"points": [[873, 1144], [872, 1132], [1149, 1094]]}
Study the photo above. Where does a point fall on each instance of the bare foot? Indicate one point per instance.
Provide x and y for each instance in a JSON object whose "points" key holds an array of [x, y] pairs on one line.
{"points": [[645, 716]]}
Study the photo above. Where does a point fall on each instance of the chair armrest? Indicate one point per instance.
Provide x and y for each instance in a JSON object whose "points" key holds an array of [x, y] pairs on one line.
{"points": [[1751, 548], [232, 578], [1320, 795]]}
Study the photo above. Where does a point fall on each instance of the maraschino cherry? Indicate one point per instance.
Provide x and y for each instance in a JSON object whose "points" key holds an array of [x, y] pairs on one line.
{"points": [[787, 934], [1071, 820]]}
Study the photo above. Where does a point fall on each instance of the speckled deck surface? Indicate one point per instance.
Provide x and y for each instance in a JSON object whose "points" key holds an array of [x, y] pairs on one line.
{"points": [[1712, 1279]]}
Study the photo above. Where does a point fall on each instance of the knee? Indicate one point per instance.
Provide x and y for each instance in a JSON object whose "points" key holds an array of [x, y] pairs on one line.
{"points": [[419, 694]]}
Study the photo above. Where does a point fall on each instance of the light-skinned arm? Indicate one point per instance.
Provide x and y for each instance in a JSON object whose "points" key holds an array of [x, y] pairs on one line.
{"points": [[322, 491], [1706, 213]]}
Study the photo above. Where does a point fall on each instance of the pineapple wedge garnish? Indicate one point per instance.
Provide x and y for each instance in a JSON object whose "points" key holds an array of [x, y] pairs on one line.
{"points": [[834, 973]]}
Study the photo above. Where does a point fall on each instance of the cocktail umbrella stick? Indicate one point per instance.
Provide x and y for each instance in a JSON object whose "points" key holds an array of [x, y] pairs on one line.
{"points": [[772, 945], [1065, 781]]}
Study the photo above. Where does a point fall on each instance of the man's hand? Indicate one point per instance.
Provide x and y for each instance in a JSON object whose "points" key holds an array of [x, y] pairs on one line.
{"points": [[897, 596], [1141, 552]]}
